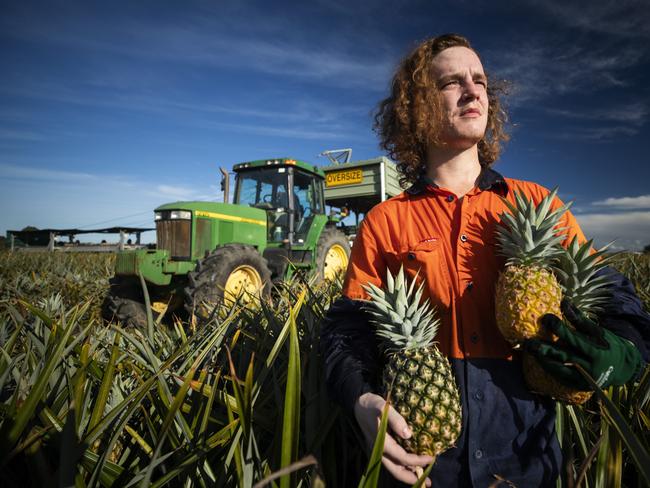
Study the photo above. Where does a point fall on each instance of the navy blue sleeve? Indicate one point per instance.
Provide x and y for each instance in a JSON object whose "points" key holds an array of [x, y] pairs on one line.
{"points": [[624, 315], [349, 351]]}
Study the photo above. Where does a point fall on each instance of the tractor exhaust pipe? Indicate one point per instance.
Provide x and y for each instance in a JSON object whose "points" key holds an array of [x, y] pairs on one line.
{"points": [[225, 184]]}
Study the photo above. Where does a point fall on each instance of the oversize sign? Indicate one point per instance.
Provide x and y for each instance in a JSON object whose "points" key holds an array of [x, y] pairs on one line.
{"points": [[339, 178]]}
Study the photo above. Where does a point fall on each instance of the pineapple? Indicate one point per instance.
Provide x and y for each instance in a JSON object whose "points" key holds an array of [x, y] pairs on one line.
{"points": [[417, 377], [576, 269], [527, 289]]}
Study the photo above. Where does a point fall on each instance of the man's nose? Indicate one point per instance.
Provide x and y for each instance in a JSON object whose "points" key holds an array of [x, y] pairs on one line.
{"points": [[472, 90]]}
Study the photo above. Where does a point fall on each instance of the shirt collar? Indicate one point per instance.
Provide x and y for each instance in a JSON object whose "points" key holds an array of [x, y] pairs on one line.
{"points": [[487, 180]]}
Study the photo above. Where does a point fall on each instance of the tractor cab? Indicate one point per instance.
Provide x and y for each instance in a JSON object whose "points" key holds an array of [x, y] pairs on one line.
{"points": [[291, 193]]}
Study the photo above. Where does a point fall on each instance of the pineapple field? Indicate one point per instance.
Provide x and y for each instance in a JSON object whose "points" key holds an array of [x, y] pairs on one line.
{"points": [[237, 401]]}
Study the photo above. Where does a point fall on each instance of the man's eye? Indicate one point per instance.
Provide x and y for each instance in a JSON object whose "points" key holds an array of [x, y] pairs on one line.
{"points": [[483, 83], [449, 83]]}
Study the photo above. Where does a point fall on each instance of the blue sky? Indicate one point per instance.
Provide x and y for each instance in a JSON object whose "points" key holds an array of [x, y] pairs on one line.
{"points": [[108, 109]]}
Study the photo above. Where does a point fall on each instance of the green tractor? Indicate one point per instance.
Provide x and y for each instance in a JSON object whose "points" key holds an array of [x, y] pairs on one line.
{"points": [[209, 253]]}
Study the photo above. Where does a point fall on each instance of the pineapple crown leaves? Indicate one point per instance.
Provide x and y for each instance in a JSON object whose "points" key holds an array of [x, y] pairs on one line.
{"points": [[403, 320], [577, 271], [529, 234]]}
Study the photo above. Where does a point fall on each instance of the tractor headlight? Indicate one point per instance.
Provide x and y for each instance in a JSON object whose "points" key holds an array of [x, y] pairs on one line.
{"points": [[173, 215], [180, 215]]}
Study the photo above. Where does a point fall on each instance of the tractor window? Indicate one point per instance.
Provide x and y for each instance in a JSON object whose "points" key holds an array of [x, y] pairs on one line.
{"points": [[267, 189], [317, 197], [263, 189], [305, 204]]}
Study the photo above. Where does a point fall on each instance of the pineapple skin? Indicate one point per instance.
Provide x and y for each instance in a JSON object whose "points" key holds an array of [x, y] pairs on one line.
{"points": [[524, 294], [539, 381], [422, 388]]}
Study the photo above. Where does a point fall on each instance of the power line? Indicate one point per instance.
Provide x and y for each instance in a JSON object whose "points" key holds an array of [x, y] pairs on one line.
{"points": [[113, 220], [139, 224]]}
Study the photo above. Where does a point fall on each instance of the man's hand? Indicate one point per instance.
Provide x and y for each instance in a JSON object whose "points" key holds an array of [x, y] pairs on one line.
{"points": [[608, 358], [402, 465]]}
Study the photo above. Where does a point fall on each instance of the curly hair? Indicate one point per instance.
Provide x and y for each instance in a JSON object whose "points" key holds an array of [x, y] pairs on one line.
{"points": [[409, 119]]}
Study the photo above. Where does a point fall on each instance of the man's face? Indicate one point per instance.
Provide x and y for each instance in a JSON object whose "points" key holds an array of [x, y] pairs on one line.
{"points": [[462, 84]]}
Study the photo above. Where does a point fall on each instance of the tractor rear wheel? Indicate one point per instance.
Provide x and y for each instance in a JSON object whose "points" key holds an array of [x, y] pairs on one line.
{"points": [[232, 273], [332, 253]]}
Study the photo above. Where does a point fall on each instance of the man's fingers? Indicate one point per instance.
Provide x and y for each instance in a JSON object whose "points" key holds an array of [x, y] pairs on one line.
{"points": [[545, 351], [405, 474], [583, 324], [396, 453], [397, 424]]}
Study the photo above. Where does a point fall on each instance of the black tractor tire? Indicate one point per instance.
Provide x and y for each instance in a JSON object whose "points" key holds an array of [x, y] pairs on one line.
{"points": [[331, 238], [124, 303], [205, 290]]}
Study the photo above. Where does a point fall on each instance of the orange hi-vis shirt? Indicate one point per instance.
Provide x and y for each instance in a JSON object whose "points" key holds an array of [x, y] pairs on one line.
{"points": [[452, 243]]}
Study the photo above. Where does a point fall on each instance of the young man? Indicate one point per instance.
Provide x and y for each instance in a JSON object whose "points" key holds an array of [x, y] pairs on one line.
{"points": [[443, 124]]}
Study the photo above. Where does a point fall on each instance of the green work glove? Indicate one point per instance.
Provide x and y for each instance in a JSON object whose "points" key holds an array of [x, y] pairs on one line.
{"points": [[606, 357]]}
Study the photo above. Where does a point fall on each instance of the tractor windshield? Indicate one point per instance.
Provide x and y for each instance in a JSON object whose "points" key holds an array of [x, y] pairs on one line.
{"points": [[264, 188]]}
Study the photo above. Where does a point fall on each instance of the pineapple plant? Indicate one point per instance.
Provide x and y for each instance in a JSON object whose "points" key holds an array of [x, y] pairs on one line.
{"points": [[417, 378]]}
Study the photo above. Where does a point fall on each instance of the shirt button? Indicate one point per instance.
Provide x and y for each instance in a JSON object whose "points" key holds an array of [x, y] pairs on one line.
{"points": [[411, 256], [474, 338], [450, 198], [463, 238], [478, 454], [478, 395], [469, 285]]}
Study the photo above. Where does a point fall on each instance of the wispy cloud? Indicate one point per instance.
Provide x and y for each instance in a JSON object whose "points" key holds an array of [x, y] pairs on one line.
{"points": [[302, 116], [178, 192], [539, 68], [630, 230], [10, 171], [22, 135], [288, 132], [544, 74], [630, 113], [320, 65], [630, 18], [642, 201], [593, 134], [61, 198], [274, 47]]}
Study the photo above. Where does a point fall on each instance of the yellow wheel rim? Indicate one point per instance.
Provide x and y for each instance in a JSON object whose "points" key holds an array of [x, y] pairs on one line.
{"points": [[243, 282], [336, 260], [170, 303], [159, 307]]}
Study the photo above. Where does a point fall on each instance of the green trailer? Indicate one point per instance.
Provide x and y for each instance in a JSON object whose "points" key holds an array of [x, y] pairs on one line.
{"points": [[357, 186], [360, 185], [208, 253]]}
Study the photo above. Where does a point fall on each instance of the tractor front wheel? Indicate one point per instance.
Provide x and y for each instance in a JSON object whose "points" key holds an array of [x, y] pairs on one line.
{"points": [[234, 273], [332, 253], [124, 303]]}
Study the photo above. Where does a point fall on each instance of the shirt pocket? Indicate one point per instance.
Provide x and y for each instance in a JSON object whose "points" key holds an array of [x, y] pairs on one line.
{"points": [[426, 260]]}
